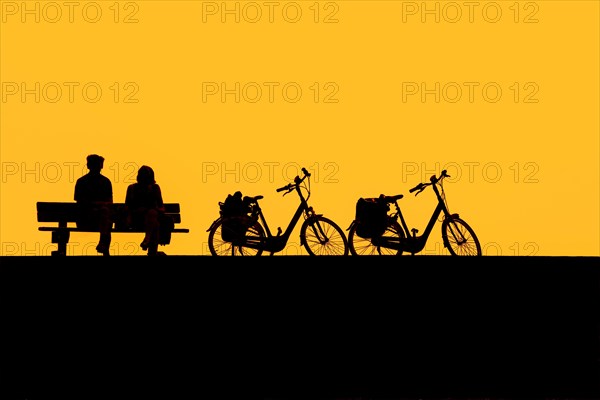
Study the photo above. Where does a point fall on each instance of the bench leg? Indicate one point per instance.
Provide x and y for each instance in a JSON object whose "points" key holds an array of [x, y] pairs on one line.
{"points": [[61, 238]]}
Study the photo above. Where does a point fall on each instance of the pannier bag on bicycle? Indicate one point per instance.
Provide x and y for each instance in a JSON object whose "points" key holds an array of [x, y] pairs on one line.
{"points": [[371, 217], [234, 212]]}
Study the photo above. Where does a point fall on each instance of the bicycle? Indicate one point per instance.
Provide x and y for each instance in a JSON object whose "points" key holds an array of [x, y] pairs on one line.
{"points": [[458, 237], [319, 235]]}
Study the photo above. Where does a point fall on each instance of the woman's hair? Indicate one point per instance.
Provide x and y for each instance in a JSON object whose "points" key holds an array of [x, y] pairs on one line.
{"points": [[145, 175]]}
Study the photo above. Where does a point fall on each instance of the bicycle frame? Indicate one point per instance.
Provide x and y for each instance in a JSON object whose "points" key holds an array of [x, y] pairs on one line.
{"points": [[276, 243], [412, 243]]}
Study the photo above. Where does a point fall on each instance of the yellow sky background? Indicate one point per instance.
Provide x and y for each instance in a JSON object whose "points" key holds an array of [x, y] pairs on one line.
{"points": [[371, 96]]}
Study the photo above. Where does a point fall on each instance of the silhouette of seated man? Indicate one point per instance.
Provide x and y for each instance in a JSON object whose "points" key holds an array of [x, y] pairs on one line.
{"points": [[94, 195], [145, 208]]}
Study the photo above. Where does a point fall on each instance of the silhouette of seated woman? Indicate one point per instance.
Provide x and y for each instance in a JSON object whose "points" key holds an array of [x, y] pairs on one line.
{"points": [[94, 196], [145, 206]]}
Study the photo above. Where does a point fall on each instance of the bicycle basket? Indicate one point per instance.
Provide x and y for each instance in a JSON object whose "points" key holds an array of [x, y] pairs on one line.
{"points": [[371, 217], [233, 229], [234, 212]]}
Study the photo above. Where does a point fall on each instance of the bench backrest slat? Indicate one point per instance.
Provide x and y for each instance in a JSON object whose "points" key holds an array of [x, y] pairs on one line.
{"points": [[68, 212]]}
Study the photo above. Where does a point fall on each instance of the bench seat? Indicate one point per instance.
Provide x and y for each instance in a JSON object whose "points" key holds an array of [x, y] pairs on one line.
{"points": [[65, 214]]}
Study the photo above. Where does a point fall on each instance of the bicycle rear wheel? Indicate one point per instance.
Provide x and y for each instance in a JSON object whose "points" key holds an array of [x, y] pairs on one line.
{"points": [[370, 247], [323, 237], [459, 238], [238, 247]]}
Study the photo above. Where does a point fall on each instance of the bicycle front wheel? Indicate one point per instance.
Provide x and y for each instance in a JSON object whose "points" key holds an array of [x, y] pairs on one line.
{"points": [[238, 246], [459, 238], [323, 237], [393, 234]]}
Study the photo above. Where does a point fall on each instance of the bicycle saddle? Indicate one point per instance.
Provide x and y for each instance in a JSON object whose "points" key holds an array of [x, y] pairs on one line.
{"points": [[389, 199], [255, 198]]}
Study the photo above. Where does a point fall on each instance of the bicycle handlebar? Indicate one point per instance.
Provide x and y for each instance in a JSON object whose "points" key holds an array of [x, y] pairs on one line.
{"points": [[297, 181], [419, 186], [432, 181]]}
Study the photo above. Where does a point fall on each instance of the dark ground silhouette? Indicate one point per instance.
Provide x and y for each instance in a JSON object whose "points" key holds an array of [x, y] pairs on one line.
{"points": [[300, 327]]}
